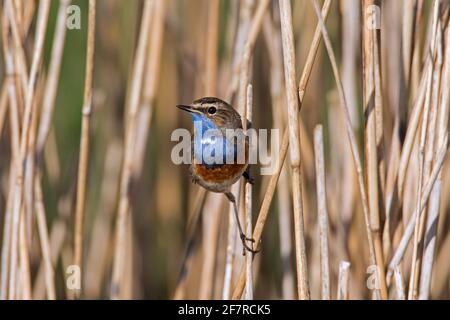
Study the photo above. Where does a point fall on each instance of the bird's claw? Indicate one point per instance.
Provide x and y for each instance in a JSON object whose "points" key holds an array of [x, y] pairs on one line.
{"points": [[244, 238]]}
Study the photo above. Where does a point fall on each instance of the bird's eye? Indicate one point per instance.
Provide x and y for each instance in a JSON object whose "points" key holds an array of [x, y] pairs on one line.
{"points": [[212, 110]]}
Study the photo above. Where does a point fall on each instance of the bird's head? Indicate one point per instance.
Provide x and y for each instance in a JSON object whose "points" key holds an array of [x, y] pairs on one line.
{"points": [[213, 113]]}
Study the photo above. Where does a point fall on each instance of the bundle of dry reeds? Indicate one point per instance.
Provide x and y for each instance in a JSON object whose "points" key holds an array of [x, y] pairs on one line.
{"points": [[92, 206]]}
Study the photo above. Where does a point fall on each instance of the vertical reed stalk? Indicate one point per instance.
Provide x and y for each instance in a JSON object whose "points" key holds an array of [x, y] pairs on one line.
{"points": [[343, 280], [84, 144], [429, 155], [253, 31], [248, 212], [287, 36], [273, 41], [211, 48], [239, 78], [432, 220], [14, 134], [130, 138], [322, 213], [44, 240], [51, 86], [268, 196], [413, 290], [263, 212], [399, 284], [25, 276], [212, 220], [42, 134], [244, 76], [372, 106], [41, 28], [3, 106], [350, 133], [424, 197]]}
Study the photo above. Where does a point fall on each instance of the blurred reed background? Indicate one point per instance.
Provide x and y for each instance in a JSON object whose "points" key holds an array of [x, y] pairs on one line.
{"points": [[86, 176]]}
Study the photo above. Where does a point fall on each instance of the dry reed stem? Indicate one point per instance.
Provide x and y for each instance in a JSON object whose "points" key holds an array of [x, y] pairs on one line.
{"points": [[84, 143], [372, 107], [417, 50], [27, 20], [3, 106], [256, 23], [8, 224], [273, 42], [11, 104], [44, 240], [31, 164], [248, 212], [412, 130], [350, 133], [27, 212], [211, 222], [412, 293], [312, 54], [287, 36], [192, 231], [270, 190], [381, 163], [343, 280], [408, 31], [57, 241], [440, 279], [407, 234], [244, 67], [130, 137], [263, 212], [24, 276], [322, 213], [432, 221], [51, 85], [391, 203], [239, 79], [41, 27], [211, 48], [350, 51], [100, 244], [229, 260], [150, 88], [240, 40], [6, 243], [430, 146], [399, 284], [417, 109], [48, 101], [398, 71], [343, 179], [253, 31], [19, 57], [150, 83], [14, 125], [212, 208]]}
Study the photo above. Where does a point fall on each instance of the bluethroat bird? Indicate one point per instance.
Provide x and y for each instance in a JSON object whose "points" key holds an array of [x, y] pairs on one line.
{"points": [[228, 154]]}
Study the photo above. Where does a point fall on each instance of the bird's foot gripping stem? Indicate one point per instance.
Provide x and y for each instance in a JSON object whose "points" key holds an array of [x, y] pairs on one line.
{"points": [[244, 240]]}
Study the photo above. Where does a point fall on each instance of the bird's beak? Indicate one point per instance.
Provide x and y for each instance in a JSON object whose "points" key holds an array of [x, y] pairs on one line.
{"points": [[185, 108]]}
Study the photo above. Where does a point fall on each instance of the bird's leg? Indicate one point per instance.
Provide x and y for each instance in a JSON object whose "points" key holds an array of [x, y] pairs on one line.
{"points": [[242, 235]]}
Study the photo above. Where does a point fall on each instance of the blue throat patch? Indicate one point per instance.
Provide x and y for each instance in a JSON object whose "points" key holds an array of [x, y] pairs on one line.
{"points": [[211, 147]]}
